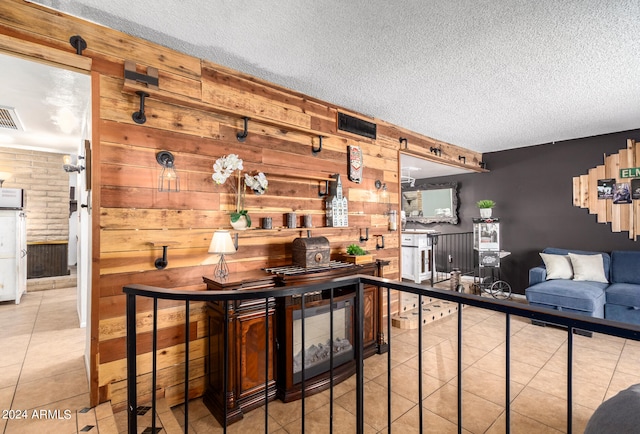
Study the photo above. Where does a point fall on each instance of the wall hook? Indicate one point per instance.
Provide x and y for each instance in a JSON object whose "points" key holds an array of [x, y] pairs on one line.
{"points": [[243, 135], [319, 148], [161, 263], [462, 158], [437, 151], [406, 142], [139, 116], [379, 246], [366, 237], [483, 164], [326, 189], [78, 43]]}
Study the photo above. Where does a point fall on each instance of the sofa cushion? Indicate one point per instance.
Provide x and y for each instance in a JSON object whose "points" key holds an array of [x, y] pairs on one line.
{"points": [[588, 267], [624, 294], [606, 259], [558, 266], [625, 266], [584, 296]]}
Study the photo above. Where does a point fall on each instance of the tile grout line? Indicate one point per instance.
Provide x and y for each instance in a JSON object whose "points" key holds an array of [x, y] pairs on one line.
{"points": [[15, 390]]}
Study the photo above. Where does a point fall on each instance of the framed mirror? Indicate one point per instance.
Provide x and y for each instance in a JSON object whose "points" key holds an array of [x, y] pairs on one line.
{"points": [[431, 203]]}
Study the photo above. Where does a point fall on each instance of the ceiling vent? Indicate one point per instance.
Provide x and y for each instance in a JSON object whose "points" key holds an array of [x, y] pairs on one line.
{"points": [[356, 126], [9, 119]]}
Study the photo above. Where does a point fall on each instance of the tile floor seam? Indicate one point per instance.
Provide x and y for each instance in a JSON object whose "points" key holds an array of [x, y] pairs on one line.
{"points": [[15, 390]]}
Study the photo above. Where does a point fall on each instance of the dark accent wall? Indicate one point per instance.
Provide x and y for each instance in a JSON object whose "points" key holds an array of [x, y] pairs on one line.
{"points": [[533, 190]]}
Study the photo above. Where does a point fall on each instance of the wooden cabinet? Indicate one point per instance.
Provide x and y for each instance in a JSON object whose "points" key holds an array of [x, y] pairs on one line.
{"points": [[246, 346], [248, 339], [417, 257]]}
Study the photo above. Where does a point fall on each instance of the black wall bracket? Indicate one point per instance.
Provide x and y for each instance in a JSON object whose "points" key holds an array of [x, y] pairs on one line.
{"points": [[379, 246], [161, 263], [366, 236], [78, 43], [436, 151], [405, 141], [139, 116], [243, 135], [319, 148], [462, 158]]}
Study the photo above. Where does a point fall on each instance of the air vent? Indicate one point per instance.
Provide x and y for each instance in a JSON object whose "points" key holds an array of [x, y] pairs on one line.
{"points": [[9, 119], [356, 126]]}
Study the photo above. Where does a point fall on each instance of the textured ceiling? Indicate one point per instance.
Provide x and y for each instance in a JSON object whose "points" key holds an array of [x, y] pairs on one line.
{"points": [[483, 74]]}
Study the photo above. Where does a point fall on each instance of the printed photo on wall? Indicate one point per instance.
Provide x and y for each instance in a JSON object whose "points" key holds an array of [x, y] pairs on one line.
{"points": [[635, 189], [621, 192], [605, 188]]}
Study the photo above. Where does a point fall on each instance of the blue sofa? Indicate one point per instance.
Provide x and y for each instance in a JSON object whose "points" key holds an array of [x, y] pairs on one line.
{"points": [[618, 299]]}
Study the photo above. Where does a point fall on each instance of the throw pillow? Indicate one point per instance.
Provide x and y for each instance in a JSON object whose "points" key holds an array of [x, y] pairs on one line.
{"points": [[588, 267], [558, 266]]}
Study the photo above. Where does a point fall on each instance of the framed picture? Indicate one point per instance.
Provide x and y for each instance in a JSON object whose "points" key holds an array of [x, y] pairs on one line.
{"points": [[621, 193], [635, 189], [605, 188]]}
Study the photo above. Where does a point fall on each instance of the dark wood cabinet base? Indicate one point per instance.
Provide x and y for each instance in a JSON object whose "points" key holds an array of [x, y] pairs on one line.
{"points": [[238, 332]]}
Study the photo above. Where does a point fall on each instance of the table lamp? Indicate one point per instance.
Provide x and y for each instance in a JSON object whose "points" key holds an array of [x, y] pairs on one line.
{"points": [[221, 244]]}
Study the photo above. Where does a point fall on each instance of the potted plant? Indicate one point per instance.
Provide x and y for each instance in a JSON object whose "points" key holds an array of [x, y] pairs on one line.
{"points": [[357, 255], [222, 170], [485, 206]]}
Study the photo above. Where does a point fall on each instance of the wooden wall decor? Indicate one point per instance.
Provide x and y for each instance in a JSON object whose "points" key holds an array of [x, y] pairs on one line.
{"points": [[196, 113], [622, 216]]}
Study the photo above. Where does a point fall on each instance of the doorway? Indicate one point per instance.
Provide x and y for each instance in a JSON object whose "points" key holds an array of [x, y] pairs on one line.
{"points": [[49, 109]]}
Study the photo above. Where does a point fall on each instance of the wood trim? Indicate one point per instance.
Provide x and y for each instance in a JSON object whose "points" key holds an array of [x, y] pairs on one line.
{"points": [[94, 308], [39, 53]]}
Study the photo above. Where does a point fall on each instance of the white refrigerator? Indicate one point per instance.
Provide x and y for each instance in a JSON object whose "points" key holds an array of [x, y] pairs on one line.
{"points": [[13, 254]]}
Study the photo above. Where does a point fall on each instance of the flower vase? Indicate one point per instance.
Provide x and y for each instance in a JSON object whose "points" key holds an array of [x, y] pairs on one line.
{"points": [[241, 224], [485, 213]]}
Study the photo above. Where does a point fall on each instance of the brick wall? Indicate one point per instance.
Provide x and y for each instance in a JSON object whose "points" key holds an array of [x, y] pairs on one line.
{"points": [[46, 187]]}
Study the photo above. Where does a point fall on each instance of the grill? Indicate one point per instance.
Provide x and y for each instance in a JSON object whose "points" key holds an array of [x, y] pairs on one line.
{"points": [[294, 270]]}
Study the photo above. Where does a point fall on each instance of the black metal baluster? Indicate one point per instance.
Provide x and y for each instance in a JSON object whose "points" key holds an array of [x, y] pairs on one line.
{"points": [[389, 347], [225, 363], [420, 362], [302, 383], [154, 363], [186, 366], [570, 379], [132, 391], [266, 366], [508, 375], [459, 368], [331, 362], [359, 359]]}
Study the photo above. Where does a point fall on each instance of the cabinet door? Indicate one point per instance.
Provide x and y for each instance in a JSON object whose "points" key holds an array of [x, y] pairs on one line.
{"points": [[252, 350], [370, 315], [408, 263]]}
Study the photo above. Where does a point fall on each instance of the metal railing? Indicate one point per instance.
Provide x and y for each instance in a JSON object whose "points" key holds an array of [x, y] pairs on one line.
{"points": [[451, 251], [572, 322]]}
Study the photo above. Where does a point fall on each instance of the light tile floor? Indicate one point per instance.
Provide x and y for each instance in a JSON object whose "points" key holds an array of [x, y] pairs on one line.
{"points": [[603, 366], [42, 368], [43, 381]]}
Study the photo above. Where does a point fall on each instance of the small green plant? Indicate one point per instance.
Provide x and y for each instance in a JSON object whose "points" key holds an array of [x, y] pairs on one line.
{"points": [[235, 216], [356, 250], [485, 203]]}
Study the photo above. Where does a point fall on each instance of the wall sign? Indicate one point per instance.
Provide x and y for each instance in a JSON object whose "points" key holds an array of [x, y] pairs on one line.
{"points": [[632, 172], [355, 164]]}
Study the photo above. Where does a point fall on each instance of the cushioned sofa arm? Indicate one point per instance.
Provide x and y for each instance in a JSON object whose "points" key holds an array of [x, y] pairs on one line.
{"points": [[537, 275]]}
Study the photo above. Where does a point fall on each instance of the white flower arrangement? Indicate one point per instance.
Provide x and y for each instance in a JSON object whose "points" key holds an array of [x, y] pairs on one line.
{"points": [[225, 166], [258, 183]]}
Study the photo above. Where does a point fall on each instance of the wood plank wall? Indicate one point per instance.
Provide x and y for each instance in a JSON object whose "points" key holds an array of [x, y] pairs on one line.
{"points": [[623, 217], [195, 114]]}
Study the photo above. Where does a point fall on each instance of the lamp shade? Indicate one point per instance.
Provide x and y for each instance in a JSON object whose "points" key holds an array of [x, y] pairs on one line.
{"points": [[221, 243]]}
